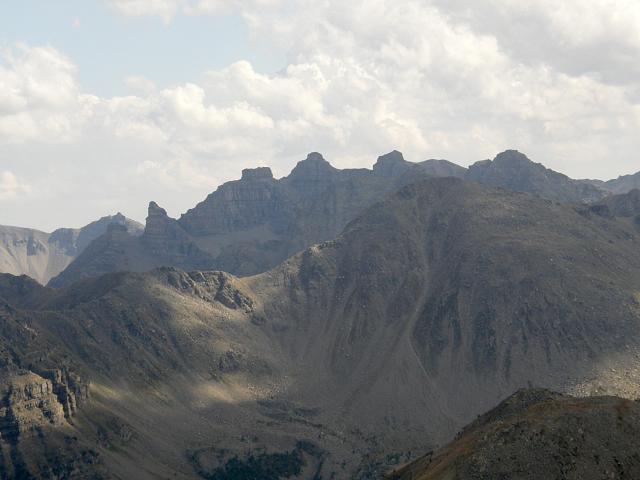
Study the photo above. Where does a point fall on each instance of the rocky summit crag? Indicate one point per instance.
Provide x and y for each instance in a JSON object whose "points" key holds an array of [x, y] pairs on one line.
{"points": [[250, 225], [354, 355]]}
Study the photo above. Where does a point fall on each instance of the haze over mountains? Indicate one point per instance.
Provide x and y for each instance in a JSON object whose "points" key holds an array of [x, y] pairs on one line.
{"points": [[439, 298]]}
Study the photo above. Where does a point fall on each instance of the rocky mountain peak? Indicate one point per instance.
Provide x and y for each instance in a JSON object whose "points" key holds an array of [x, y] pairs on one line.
{"points": [[390, 165], [512, 157], [259, 173], [314, 167], [156, 211], [514, 171]]}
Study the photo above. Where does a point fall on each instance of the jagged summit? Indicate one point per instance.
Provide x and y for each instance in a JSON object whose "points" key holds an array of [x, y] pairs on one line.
{"points": [[156, 210], [513, 157], [258, 173], [513, 170], [314, 167], [391, 164]]}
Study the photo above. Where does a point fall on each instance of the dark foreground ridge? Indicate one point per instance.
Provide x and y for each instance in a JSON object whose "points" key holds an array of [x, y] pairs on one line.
{"points": [[541, 435]]}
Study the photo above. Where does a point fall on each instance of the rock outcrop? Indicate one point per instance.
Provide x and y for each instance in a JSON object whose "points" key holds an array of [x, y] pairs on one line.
{"points": [[28, 403]]}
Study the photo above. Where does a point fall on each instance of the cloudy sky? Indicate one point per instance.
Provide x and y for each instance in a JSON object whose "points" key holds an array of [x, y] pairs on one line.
{"points": [[107, 104]]}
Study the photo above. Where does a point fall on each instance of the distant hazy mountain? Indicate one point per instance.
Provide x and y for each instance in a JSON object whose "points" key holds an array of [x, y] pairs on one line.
{"points": [[44, 255], [539, 435], [353, 355]]}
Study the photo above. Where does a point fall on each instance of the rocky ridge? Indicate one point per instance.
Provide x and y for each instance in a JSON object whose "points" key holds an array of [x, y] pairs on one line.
{"points": [[251, 225]]}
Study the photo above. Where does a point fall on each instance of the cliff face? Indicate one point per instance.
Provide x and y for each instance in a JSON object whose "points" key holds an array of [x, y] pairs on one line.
{"points": [[43, 255]]}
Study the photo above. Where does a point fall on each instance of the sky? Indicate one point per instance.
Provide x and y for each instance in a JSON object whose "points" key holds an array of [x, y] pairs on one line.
{"points": [[106, 105]]}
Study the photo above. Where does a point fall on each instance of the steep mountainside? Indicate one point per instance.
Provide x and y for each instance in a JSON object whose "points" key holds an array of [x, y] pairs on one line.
{"points": [[250, 225], [539, 435], [44, 255], [514, 171], [353, 355]]}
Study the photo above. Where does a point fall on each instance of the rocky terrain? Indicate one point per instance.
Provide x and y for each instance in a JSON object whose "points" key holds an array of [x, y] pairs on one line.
{"points": [[251, 225], [44, 255], [540, 435], [351, 357]]}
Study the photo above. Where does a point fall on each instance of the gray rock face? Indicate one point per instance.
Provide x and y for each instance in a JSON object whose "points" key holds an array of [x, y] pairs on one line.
{"points": [[260, 173]]}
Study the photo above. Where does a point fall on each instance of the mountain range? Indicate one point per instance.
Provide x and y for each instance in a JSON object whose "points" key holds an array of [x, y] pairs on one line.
{"points": [[436, 300], [251, 225]]}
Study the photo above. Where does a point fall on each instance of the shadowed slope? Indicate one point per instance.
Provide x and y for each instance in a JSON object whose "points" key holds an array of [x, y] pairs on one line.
{"points": [[537, 435]]}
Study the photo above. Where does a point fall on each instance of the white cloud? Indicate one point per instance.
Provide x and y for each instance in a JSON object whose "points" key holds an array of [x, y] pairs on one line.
{"points": [[11, 187], [39, 96], [433, 79]]}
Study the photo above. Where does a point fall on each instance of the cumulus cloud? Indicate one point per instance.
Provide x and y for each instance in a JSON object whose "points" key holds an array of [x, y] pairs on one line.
{"points": [[39, 97], [452, 79]]}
